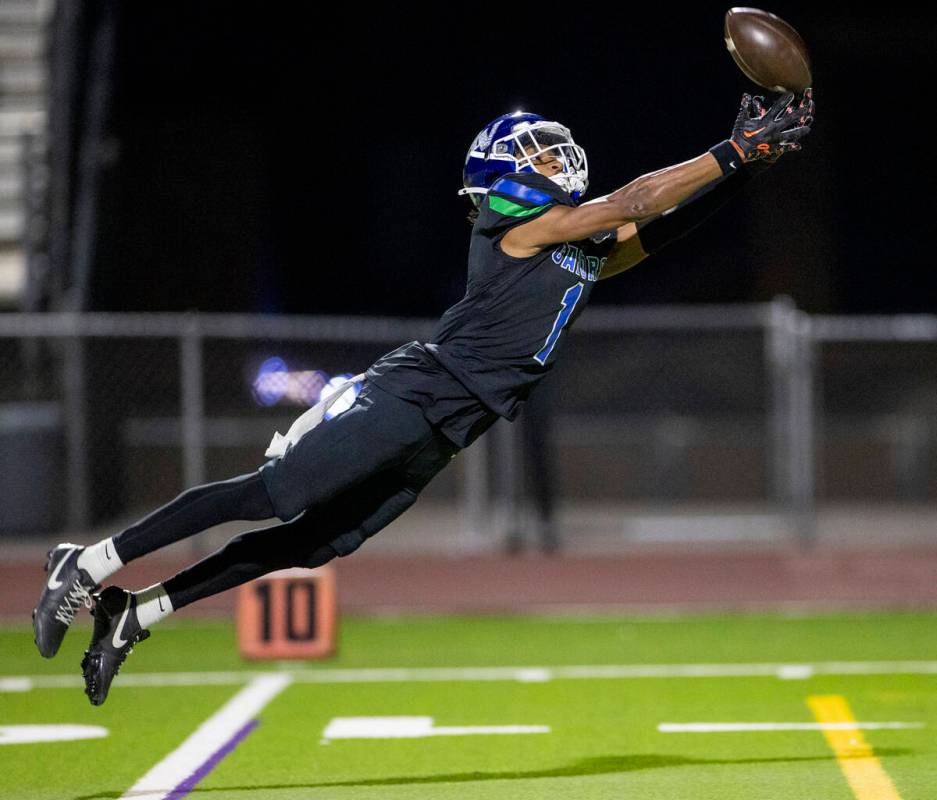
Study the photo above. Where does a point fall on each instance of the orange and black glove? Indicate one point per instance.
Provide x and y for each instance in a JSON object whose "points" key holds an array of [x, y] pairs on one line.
{"points": [[768, 133]]}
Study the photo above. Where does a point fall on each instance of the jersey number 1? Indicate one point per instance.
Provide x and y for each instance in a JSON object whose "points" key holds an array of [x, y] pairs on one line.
{"points": [[573, 293]]}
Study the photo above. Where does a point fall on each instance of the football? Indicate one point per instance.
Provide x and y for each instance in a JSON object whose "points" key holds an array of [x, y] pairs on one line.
{"points": [[767, 50]]}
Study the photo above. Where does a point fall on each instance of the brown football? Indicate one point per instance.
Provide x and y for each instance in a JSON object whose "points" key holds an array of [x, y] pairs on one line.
{"points": [[767, 50]]}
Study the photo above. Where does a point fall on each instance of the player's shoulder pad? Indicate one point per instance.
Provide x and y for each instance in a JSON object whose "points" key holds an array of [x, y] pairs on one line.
{"points": [[525, 193]]}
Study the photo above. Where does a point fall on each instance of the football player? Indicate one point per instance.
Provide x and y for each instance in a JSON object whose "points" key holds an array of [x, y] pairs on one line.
{"points": [[535, 254]]}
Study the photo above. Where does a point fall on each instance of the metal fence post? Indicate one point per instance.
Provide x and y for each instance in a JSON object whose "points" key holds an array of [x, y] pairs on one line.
{"points": [[508, 521], [779, 345], [192, 408], [474, 495], [803, 433], [790, 352], [76, 431]]}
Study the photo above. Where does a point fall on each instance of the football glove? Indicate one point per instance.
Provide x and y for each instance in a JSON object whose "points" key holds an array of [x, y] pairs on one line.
{"points": [[762, 133]]}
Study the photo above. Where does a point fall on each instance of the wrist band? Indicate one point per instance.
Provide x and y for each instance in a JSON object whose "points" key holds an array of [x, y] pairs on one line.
{"points": [[727, 156]]}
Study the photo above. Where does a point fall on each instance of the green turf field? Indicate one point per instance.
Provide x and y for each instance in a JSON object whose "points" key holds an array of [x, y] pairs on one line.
{"points": [[588, 732]]}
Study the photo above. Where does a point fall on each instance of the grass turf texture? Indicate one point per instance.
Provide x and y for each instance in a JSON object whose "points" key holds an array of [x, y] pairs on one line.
{"points": [[603, 742]]}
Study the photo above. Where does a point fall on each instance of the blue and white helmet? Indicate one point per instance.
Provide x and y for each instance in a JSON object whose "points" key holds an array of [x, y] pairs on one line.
{"points": [[511, 142]]}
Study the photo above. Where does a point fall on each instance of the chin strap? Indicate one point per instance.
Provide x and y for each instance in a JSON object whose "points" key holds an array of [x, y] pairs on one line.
{"points": [[570, 182], [472, 190]]}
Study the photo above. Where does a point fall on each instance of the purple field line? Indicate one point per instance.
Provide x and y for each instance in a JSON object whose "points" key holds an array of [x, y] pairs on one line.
{"points": [[184, 788]]}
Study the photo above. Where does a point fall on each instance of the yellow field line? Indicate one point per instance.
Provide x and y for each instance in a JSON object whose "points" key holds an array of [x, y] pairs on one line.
{"points": [[863, 771]]}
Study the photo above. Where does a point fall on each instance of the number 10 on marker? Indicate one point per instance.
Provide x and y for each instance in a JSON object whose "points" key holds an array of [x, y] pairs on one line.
{"points": [[288, 614]]}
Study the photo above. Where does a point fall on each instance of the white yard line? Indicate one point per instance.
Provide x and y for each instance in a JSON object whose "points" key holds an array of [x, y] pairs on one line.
{"points": [[207, 739], [30, 734], [415, 728], [537, 674], [740, 727]]}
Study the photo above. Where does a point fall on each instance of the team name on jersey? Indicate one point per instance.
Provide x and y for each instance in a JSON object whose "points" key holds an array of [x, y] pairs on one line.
{"points": [[572, 259]]}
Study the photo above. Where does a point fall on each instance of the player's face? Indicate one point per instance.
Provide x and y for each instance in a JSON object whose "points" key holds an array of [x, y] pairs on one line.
{"points": [[546, 163]]}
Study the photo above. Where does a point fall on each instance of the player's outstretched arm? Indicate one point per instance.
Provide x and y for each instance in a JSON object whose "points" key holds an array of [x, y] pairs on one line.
{"points": [[628, 252], [636, 241], [762, 134], [644, 197]]}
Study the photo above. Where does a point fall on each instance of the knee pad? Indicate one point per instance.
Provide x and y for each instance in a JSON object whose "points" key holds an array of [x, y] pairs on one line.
{"points": [[386, 513], [347, 543], [424, 466]]}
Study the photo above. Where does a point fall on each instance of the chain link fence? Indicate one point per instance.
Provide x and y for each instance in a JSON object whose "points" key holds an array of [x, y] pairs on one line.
{"points": [[877, 409], [759, 411]]}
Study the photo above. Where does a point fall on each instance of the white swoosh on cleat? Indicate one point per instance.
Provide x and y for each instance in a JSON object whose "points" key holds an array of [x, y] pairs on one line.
{"points": [[117, 641], [54, 582]]}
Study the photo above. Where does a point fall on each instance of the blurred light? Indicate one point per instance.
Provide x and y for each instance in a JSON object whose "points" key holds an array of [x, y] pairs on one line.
{"points": [[275, 383], [271, 381], [305, 388], [346, 400]]}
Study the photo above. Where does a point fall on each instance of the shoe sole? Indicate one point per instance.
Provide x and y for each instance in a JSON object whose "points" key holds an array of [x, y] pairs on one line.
{"points": [[93, 666], [90, 667]]}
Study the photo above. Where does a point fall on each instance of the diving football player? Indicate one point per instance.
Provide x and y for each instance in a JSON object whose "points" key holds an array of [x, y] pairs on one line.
{"points": [[535, 255]]}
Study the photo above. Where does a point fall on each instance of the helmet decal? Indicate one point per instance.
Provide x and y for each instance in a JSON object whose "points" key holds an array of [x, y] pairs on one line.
{"points": [[482, 141], [511, 142]]}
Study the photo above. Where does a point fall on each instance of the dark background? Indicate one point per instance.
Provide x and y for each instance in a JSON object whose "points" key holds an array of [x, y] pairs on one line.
{"points": [[278, 158]]}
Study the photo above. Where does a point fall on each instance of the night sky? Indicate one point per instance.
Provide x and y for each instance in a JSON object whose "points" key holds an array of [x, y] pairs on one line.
{"points": [[272, 158]]}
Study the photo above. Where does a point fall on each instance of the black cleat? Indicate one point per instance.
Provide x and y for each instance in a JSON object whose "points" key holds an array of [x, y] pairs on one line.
{"points": [[67, 589], [116, 631]]}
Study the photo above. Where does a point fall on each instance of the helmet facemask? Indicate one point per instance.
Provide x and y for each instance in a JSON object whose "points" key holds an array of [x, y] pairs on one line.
{"points": [[524, 142], [540, 141]]}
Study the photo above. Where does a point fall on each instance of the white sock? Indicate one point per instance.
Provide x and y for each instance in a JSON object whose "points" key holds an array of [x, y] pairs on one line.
{"points": [[153, 604], [100, 560]]}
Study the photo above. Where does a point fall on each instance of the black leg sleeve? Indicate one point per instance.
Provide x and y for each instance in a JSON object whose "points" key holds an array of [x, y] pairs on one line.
{"points": [[335, 527], [246, 557], [312, 539], [193, 511]]}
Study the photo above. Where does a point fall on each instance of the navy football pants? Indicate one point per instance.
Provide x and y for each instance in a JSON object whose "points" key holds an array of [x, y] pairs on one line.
{"points": [[341, 483]]}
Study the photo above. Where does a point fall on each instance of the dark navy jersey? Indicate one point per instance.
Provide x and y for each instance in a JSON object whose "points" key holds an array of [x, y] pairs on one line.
{"points": [[412, 374], [505, 334]]}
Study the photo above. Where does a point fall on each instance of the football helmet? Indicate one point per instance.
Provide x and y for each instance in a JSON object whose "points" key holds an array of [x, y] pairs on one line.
{"points": [[511, 143]]}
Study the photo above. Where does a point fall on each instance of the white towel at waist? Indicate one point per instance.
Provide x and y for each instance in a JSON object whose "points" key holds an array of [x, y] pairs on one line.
{"points": [[308, 420]]}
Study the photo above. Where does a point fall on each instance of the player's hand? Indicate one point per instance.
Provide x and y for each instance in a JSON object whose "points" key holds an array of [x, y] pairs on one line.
{"points": [[765, 134]]}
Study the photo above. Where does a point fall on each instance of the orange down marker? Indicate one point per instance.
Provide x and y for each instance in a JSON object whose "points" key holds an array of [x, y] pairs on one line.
{"points": [[288, 614]]}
